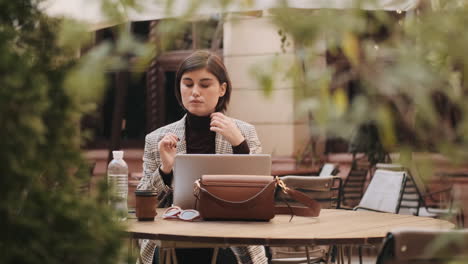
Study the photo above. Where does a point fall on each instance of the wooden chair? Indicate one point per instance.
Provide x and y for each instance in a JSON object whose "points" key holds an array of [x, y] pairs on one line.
{"points": [[326, 190], [407, 246]]}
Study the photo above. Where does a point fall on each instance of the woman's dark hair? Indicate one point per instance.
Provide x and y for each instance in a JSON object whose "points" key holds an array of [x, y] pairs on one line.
{"points": [[213, 64]]}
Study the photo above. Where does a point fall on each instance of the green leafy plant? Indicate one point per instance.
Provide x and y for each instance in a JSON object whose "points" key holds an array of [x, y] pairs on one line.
{"points": [[408, 75], [46, 217]]}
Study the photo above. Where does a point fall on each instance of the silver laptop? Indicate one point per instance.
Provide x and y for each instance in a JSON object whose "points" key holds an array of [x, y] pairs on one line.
{"points": [[190, 167]]}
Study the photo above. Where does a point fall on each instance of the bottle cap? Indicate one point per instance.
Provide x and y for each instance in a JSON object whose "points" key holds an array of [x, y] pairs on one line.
{"points": [[117, 154]]}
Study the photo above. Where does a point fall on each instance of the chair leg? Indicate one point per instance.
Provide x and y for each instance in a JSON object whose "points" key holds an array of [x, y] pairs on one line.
{"points": [[215, 255], [168, 256], [162, 255], [307, 254], [332, 255], [337, 253], [130, 247], [461, 219], [174, 256], [349, 250], [360, 254], [342, 254]]}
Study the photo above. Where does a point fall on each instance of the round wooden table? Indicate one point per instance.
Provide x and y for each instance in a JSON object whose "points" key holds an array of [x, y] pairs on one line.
{"points": [[331, 227]]}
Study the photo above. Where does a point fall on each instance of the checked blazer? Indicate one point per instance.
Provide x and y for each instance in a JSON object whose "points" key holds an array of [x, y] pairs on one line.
{"points": [[152, 180]]}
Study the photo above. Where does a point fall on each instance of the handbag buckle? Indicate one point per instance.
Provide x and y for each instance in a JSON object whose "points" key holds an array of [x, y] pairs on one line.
{"points": [[282, 185]]}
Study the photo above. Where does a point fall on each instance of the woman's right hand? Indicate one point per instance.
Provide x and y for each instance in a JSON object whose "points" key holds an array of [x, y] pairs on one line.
{"points": [[167, 150]]}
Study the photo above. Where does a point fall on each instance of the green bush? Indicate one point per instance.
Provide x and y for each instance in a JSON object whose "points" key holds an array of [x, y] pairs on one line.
{"points": [[44, 217]]}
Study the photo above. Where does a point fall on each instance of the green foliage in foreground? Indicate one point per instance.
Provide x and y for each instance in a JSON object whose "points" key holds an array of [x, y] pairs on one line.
{"points": [[403, 68], [44, 216], [407, 72]]}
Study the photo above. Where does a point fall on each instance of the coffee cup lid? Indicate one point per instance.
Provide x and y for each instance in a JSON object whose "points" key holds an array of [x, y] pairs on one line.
{"points": [[146, 193]]}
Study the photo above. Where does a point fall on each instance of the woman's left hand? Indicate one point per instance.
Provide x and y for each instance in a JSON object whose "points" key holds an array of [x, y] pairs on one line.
{"points": [[227, 128]]}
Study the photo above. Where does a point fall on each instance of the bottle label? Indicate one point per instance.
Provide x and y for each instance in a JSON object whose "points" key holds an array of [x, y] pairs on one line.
{"points": [[118, 187]]}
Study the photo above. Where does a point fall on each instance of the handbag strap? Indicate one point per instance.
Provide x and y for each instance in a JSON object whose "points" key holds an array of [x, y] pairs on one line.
{"points": [[312, 206]]}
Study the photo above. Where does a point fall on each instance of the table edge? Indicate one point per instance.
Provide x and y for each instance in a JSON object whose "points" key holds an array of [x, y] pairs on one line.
{"points": [[255, 241]]}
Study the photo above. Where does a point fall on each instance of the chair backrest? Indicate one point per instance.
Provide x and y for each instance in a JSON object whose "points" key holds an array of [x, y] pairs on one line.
{"points": [[411, 200], [384, 192], [422, 246], [441, 198], [353, 187], [416, 192], [390, 166], [327, 170], [325, 190], [416, 176], [411, 197]]}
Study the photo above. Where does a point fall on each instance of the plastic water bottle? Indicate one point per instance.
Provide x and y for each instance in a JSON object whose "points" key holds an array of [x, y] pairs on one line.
{"points": [[117, 180]]}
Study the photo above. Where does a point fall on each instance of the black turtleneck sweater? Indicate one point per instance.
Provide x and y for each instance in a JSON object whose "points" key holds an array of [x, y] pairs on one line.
{"points": [[201, 140]]}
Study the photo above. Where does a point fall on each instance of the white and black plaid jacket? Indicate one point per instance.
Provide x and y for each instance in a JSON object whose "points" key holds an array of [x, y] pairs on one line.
{"points": [[152, 180]]}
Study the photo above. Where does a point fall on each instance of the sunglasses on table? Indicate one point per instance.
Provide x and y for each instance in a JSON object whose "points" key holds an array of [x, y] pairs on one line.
{"points": [[175, 212]]}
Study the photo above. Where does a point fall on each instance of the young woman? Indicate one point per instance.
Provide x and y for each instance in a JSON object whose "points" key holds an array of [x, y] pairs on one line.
{"points": [[203, 89]]}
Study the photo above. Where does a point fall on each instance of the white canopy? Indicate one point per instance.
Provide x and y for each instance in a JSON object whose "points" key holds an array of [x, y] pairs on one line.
{"points": [[90, 12]]}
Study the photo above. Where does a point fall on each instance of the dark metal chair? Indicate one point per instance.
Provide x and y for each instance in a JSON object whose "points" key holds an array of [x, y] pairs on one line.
{"points": [[383, 194], [441, 201], [416, 197], [328, 169], [353, 186]]}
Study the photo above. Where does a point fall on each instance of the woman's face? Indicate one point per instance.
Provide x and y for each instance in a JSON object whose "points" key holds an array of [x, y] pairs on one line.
{"points": [[200, 91]]}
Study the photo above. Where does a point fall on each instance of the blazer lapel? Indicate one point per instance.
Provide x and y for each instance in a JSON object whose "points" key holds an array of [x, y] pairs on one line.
{"points": [[179, 131]]}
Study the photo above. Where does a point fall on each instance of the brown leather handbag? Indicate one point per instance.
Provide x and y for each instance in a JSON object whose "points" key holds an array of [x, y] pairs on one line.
{"points": [[247, 197]]}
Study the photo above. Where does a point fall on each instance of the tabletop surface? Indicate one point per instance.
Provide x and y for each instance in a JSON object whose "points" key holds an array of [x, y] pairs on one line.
{"points": [[331, 227]]}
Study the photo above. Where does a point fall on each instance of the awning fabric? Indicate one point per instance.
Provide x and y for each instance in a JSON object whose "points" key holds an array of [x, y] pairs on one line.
{"points": [[89, 11]]}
